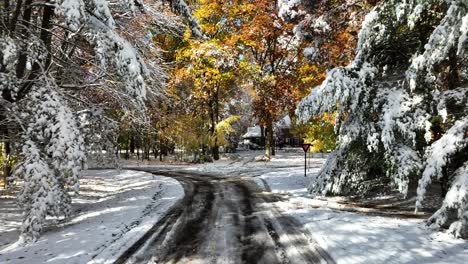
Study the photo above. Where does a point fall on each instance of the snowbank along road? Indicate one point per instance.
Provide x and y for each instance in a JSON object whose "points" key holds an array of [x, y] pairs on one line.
{"points": [[224, 220]]}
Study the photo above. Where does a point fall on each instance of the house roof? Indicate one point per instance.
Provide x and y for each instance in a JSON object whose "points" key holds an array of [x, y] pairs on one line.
{"points": [[285, 122], [253, 132], [256, 132]]}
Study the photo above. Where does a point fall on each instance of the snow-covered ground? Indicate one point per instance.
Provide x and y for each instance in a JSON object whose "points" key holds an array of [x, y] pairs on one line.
{"points": [[347, 237], [114, 209], [350, 237], [358, 238]]}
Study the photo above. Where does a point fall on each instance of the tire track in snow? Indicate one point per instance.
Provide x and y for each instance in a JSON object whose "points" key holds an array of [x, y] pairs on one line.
{"points": [[223, 220]]}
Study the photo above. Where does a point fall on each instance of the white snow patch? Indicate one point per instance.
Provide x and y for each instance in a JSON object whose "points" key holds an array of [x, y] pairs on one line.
{"points": [[352, 237], [356, 238], [114, 209]]}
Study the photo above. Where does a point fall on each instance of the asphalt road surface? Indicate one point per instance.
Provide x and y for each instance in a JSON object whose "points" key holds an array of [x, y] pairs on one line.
{"points": [[224, 220]]}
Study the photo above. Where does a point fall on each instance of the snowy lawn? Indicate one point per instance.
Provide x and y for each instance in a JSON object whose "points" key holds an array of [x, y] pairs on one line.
{"points": [[358, 238], [113, 210], [353, 237]]}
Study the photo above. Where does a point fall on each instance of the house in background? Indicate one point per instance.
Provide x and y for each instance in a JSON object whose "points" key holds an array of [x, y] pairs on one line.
{"points": [[255, 137], [283, 133]]}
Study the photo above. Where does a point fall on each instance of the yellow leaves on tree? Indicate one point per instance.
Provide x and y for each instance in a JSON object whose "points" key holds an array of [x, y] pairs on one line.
{"points": [[223, 129], [206, 73], [319, 132]]}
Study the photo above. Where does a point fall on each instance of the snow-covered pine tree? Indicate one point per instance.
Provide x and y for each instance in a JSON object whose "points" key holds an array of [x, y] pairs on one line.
{"points": [[402, 107], [58, 59]]}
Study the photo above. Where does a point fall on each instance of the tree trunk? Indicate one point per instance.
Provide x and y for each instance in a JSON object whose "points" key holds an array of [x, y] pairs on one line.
{"points": [[269, 150], [212, 112], [5, 14], [215, 150], [273, 144], [217, 121], [46, 36], [262, 136], [127, 154], [453, 80], [132, 144], [6, 165], [204, 152], [444, 182], [14, 19], [138, 148], [22, 59], [147, 148], [161, 146]]}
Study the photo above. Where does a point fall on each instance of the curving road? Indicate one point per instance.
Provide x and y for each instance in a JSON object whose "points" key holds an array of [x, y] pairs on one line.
{"points": [[224, 220]]}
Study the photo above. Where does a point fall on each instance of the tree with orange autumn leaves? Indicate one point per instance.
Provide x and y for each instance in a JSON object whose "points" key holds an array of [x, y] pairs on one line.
{"points": [[268, 55], [272, 52], [274, 61]]}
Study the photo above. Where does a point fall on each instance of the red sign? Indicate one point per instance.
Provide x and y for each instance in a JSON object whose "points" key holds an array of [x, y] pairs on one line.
{"points": [[305, 147]]}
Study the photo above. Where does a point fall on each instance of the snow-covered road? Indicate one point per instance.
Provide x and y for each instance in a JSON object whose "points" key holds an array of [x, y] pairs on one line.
{"points": [[225, 220]]}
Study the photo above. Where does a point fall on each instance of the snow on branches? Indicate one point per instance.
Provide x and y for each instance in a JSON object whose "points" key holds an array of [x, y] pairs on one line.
{"points": [[51, 158], [73, 12], [403, 100], [449, 35], [113, 51], [340, 91], [439, 153], [454, 211], [8, 51], [289, 8], [100, 133], [181, 7], [66, 58]]}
